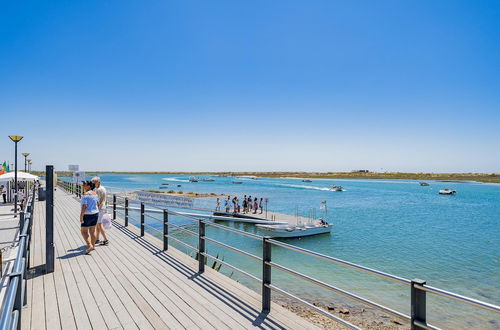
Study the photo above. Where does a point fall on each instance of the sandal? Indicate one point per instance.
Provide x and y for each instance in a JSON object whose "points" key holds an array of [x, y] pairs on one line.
{"points": [[106, 242], [87, 252]]}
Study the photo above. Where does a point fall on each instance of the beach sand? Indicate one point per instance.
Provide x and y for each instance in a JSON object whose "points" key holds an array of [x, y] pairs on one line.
{"points": [[364, 317]]}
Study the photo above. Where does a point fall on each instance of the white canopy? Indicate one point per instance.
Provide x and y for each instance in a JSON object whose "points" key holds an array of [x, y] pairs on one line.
{"points": [[21, 176]]}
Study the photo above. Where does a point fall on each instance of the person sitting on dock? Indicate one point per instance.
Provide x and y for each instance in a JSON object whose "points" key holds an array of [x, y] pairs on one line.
{"points": [[89, 215]]}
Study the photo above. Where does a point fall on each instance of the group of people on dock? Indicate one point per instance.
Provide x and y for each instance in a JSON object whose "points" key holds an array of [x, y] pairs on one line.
{"points": [[93, 209], [249, 204]]}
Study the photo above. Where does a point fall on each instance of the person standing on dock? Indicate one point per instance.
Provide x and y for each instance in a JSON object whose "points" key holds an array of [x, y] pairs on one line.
{"points": [[250, 204], [101, 193], [260, 205], [89, 215], [255, 206], [217, 205], [245, 204], [227, 203], [4, 194]]}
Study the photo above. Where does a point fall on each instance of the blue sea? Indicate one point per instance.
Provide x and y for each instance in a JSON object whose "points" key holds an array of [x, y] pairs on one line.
{"points": [[395, 226]]}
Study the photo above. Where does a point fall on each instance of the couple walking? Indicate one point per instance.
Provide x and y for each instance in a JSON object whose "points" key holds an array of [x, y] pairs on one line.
{"points": [[93, 208]]}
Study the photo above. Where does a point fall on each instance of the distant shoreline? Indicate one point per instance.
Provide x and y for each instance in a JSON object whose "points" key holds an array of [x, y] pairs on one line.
{"points": [[479, 177]]}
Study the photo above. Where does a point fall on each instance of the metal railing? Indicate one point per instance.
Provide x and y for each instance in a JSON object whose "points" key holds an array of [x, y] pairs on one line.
{"points": [[16, 294], [418, 288]]}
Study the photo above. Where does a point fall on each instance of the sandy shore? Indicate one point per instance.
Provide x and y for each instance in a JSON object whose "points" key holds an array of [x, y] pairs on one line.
{"points": [[364, 317]]}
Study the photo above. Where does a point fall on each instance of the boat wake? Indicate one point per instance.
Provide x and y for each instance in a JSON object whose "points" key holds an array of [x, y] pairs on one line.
{"points": [[303, 187], [175, 180]]}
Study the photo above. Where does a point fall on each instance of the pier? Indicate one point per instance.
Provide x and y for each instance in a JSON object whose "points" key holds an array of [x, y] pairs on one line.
{"points": [[132, 284]]}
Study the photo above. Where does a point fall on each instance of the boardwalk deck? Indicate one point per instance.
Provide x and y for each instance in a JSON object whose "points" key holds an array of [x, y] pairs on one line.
{"points": [[132, 284]]}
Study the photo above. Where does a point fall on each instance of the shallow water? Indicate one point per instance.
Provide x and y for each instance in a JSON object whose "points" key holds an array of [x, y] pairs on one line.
{"points": [[396, 226]]}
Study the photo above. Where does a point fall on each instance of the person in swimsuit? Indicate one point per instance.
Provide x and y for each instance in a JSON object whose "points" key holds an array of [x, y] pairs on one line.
{"points": [[89, 215]]}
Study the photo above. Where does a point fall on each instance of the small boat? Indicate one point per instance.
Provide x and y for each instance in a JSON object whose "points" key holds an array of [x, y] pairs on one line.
{"points": [[447, 192], [193, 179], [307, 180], [164, 184], [207, 180], [424, 184], [337, 188], [237, 182], [179, 185], [283, 231]]}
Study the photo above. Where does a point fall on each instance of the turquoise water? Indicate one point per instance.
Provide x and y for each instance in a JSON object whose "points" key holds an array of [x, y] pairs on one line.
{"points": [[395, 226]]}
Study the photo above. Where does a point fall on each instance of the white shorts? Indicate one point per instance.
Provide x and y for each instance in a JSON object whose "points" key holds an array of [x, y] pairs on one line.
{"points": [[101, 213]]}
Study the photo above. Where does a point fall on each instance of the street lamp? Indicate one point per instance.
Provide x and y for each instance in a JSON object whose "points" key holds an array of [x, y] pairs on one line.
{"points": [[15, 139], [25, 154]]}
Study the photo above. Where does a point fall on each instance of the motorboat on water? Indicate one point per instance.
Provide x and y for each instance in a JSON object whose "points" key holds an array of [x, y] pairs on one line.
{"points": [[447, 192], [193, 179], [337, 188], [284, 231], [424, 184], [237, 182], [208, 180], [307, 180]]}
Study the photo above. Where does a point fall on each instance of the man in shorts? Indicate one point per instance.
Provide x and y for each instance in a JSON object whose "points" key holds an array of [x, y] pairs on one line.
{"points": [[101, 193]]}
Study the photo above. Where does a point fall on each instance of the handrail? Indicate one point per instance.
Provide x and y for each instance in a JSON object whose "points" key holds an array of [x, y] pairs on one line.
{"points": [[460, 298], [16, 294], [418, 288], [343, 262]]}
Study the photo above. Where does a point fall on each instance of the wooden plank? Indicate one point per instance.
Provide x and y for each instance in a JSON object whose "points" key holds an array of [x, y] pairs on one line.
{"points": [[115, 313], [38, 308], [207, 305], [129, 286], [284, 316], [156, 316], [278, 313], [121, 295], [97, 303]]}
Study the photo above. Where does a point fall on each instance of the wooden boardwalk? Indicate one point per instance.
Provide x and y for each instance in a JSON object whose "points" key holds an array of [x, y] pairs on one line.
{"points": [[132, 284]]}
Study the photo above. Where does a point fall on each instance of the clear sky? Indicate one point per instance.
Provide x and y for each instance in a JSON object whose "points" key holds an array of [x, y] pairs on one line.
{"points": [[252, 85]]}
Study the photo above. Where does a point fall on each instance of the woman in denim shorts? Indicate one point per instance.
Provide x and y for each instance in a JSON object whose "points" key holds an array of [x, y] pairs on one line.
{"points": [[89, 215]]}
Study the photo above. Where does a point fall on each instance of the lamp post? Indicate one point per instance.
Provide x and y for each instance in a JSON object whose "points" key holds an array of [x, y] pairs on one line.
{"points": [[15, 139], [25, 154]]}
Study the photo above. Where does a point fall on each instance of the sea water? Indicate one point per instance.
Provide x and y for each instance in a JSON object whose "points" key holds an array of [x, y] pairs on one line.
{"points": [[395, 226]]}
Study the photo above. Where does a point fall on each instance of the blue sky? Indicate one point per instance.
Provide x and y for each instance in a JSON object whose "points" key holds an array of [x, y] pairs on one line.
{"points": [[252, 85]]}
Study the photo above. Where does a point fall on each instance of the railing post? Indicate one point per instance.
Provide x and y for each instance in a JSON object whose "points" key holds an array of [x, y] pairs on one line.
{"points": [[126, 212], [165, 230], [266, 275], [142, 218], [201, 246], [49, 220], [418, 304], [114, 207]]}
